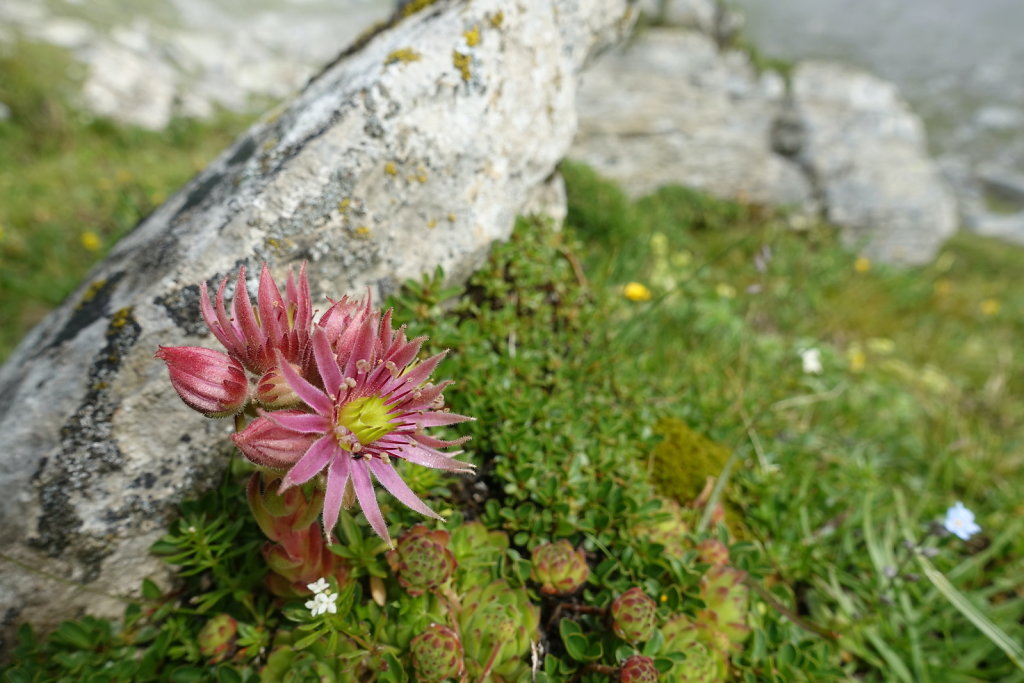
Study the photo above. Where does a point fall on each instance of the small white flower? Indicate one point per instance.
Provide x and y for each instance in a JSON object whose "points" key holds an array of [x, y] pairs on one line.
{"points": [[319, 586], [960, 522], [811, 359], [322, 602]]}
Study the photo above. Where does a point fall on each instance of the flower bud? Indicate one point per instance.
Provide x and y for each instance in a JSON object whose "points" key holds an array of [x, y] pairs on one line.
{"points": [[267, 443], [209, 381], [273, 392]]}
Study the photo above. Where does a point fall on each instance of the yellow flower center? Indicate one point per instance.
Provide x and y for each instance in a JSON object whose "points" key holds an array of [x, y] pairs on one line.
{"points": [[365, 418]]}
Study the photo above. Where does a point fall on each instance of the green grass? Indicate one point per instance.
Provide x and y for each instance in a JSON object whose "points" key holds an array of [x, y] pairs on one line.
{"points": [[919, 405], [71, 185]]}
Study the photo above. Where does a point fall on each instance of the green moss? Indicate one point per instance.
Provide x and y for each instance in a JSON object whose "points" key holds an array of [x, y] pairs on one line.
{"points": [[684, 460]]}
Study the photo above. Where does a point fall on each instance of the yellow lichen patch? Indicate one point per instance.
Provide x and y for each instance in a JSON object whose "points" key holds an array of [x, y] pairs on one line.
{"points": [[432, 223], [344, 204], [415, 6], [403, 55], [120, 319], [273, 243], [461, 62], [363, 231], [451, 218], [496, 19], [472, 36], [421, 175], [390, 168], [91, 292]]}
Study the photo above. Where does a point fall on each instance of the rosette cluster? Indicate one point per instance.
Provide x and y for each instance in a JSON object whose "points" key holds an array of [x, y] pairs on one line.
{"points": [[339, 401]]}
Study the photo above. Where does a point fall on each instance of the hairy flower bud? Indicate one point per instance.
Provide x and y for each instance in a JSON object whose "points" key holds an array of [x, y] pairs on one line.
{"points": [[267, 443], [558, 568], [633, 616], [437, 654], [209, 381], [638, 669], [422, 559], [273, 392]]}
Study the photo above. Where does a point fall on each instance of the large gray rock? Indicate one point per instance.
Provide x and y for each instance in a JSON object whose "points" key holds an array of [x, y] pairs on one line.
{"points": [[866, 153], [670, 108], [380, 170]]}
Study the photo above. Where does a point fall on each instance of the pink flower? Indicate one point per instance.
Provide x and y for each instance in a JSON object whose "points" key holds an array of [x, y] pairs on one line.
{"points": [[370, 410], [278, 323], [209, 381]]}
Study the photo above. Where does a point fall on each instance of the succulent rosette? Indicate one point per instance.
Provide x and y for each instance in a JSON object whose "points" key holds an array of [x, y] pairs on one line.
{"points": [[704, 663], [634, 616], [422, 559], [217, 637], [559, 568], [638, 669], [726, 596], [436, 655], [366, 410]]}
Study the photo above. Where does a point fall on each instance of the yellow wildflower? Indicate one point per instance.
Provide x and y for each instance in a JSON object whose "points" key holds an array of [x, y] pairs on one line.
{"points": [[91, 241], [634, 291], [990, 306], [858, 359], [862, 264]]}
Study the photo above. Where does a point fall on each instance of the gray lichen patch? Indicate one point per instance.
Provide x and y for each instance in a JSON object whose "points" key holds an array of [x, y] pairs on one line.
{"points": [[88, 453], [182, 306], [90, 307]]}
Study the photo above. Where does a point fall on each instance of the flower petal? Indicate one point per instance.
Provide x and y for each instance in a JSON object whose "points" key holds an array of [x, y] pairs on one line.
{"points": [[431, 458], [326, 362], [436, 419], [337, 480], [313, 397], [302, 423], [389, 479], [368, 500], [310, 464], [419, 374]]}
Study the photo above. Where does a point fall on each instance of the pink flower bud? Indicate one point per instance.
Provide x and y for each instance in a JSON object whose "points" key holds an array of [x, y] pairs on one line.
{"points": [[267, 443], [206, 380], [273, 392]]}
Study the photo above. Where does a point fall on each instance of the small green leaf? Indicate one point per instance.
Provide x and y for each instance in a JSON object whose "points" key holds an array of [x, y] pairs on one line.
{"points": [[303, 643]]}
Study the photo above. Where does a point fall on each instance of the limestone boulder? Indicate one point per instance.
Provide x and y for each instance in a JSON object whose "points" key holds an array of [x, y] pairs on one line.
{"points": [[866, 153], [417, 148], [671, 108]]}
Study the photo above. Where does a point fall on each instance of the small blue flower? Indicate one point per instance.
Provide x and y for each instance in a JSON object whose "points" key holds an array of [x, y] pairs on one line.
{"points": [[960, 522]]}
